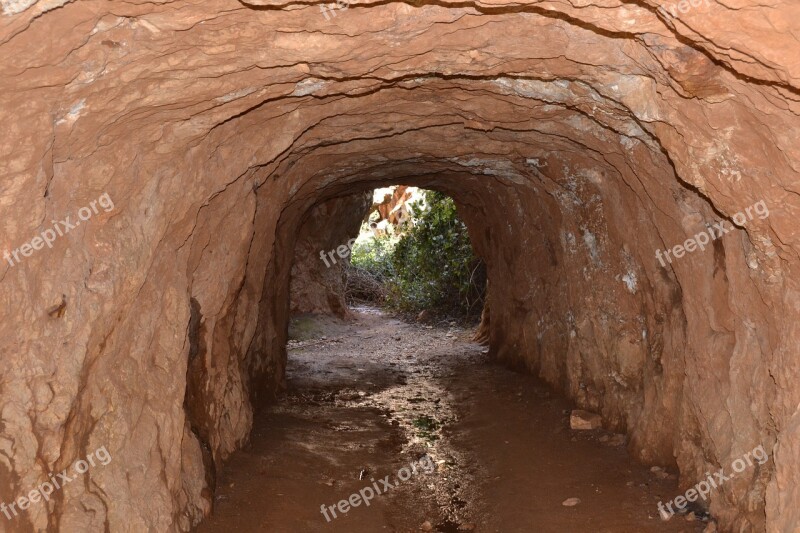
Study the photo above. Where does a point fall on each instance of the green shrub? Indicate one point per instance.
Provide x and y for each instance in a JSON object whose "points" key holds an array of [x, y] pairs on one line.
{"points": [[374, 255], [434, 265], [370, 272], [431, 264]]}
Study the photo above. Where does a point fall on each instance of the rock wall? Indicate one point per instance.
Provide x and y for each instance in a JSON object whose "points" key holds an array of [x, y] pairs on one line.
{"points": [[576, 138], [317, 283]]}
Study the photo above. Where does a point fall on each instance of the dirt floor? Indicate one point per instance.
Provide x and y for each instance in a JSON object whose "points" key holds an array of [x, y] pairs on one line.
{"points": [[467, 445]]}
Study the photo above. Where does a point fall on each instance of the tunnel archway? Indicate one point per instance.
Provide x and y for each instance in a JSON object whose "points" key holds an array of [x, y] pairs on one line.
{"points": [[579, 139], [581, 214]]}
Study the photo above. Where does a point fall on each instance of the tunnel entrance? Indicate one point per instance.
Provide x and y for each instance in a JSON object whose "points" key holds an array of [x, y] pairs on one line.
{"points": [[402, 248], [627, 171], [388, 417]]}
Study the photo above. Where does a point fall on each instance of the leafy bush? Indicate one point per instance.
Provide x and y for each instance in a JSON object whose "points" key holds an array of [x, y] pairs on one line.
{"points": [[435, 267], [370, 272], [431, 266], [374, 255]]}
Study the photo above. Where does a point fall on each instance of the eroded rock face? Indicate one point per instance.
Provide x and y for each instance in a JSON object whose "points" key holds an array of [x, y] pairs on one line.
{"points": [[318, 278], [576, 138]]}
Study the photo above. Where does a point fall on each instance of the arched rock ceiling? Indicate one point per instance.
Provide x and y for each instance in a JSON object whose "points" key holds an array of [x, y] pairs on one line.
{"points": [[581, 136]]}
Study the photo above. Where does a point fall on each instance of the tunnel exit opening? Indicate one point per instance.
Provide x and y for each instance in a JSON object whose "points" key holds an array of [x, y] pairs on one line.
{"points": [[401, 248]]}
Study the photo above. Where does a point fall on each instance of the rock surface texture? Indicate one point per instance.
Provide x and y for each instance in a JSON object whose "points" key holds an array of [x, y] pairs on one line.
{"points": [[317, 283], [577, 137]]}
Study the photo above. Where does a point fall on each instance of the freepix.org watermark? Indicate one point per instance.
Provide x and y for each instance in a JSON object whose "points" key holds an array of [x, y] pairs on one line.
{"points": [[341, 4], [342, 251], [365, 495], [59, 229], [682, 6], [57, 481], [704, 487], [715, 231]]}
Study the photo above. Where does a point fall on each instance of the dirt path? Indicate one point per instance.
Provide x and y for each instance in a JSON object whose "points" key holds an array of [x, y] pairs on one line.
{"points": [[466, 445]]}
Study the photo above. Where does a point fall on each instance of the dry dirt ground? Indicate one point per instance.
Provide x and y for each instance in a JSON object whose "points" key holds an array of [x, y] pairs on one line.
{"points": [[371, 395]]}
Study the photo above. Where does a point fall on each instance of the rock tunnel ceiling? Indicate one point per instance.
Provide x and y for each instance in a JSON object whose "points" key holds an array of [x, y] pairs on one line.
{"points": [[578, 139]]}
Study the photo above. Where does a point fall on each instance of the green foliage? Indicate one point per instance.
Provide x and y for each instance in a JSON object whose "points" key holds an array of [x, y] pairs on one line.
{"points": [[427, 426], [374, 255], [434, 262], [431, 266]]}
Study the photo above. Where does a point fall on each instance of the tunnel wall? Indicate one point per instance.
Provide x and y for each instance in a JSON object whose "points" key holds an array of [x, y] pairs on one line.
{"points": [[577, 140], [317, 285]]}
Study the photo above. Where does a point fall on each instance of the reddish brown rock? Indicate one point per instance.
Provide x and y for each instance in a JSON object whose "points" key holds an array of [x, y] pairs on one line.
{"points": [[577, 139], [584, 420], [318, 281]]}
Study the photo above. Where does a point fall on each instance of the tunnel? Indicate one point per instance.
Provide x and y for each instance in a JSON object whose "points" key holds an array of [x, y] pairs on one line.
{"points": [[624, 167]]}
